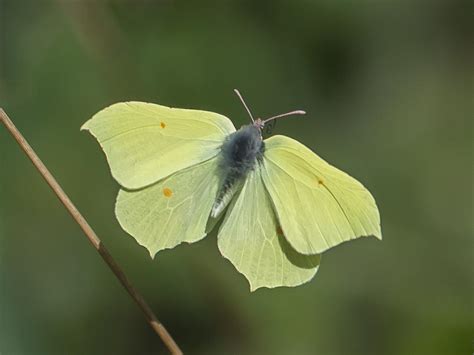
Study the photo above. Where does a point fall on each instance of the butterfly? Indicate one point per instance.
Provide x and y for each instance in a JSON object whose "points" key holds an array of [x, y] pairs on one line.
{"points": [[181, 171]]}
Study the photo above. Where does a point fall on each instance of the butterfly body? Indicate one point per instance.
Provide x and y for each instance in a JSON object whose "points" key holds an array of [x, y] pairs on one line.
{"points": [[179, 169], [239, 154]]}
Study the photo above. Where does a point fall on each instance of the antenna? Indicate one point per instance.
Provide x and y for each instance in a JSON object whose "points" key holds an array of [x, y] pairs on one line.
{"points": [[297, 112], [245, 105]]}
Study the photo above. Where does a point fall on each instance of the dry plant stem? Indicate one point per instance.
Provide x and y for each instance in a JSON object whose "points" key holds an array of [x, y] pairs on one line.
{"points": [[93, 238]]}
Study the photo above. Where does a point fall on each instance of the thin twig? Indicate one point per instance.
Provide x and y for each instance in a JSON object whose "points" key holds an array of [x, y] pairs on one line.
{"points": [[90, 234]]}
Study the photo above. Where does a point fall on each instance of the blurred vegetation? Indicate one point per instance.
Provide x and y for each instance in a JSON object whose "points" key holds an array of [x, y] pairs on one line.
{"points": [[388, 86]]}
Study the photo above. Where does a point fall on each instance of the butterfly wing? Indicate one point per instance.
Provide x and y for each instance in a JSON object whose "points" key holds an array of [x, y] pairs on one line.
{"points": [[146, 142], [173, 210], [318, 206], [251, 239]]}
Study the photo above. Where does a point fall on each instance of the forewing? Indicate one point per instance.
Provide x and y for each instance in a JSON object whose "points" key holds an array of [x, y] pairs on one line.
{"points": [[318, 206], [172, 211], [145, 142], [252, 240]]}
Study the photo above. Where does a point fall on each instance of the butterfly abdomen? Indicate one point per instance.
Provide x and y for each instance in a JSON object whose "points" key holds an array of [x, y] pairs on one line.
{"points": [[239, 154]]}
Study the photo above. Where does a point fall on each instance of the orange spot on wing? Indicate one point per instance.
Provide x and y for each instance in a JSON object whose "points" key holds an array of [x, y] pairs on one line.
{"points": [[162, 124], [167, 192], [320, 182], [279, 230]]}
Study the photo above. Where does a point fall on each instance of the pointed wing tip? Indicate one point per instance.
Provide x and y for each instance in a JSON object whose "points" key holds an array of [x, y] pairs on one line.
{"points": [[85, 126], [254, 288], [152, 253], [378, 232]]}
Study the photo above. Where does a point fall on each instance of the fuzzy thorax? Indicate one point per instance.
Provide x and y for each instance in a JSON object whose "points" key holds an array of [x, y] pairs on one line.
{"points": [[239, 154]]}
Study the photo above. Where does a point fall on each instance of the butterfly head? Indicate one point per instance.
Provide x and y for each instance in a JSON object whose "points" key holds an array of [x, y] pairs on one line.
{"points": [[259, 123]]}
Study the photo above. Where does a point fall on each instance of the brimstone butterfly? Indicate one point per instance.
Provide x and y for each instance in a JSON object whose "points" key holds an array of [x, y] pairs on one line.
{"points": [[180, 169]]}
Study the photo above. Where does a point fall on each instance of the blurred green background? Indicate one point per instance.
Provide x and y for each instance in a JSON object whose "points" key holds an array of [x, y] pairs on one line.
{"points": [[388, 87]]}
